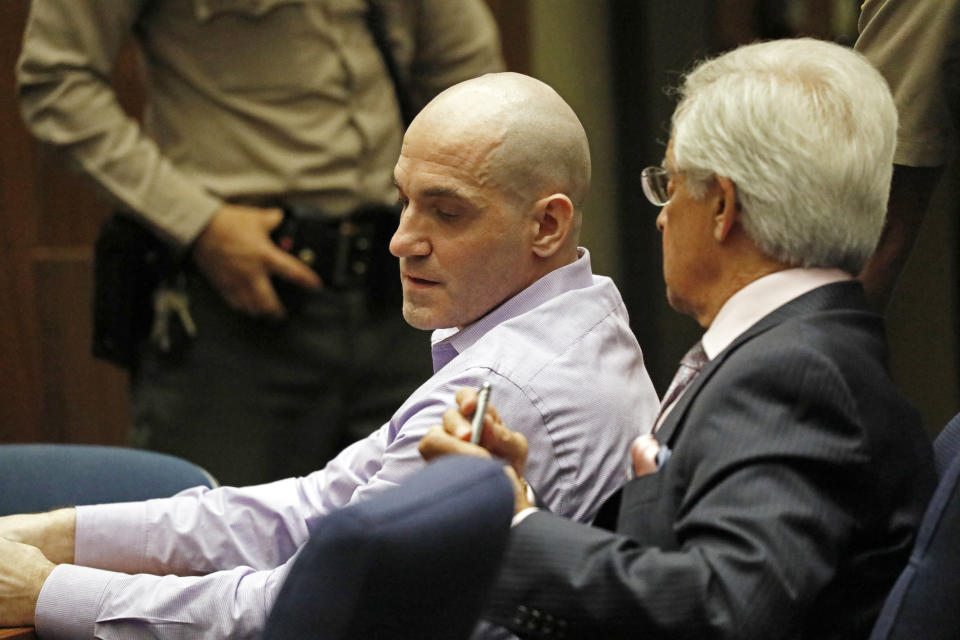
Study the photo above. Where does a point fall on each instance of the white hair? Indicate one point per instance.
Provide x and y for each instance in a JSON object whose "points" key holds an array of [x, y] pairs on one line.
{"points": [[806, 130]]}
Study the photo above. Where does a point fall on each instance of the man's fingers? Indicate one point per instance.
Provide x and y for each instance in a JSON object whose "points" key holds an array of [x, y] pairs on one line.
{"points": [[270, 218], [254, 296], [504, 443], [22, 574], [290, 268], [237, 256], [282, 263], [51, 532], [437, 442], [456, 425], [496, 437], [467, 401], [643, 453], [262, 299]]}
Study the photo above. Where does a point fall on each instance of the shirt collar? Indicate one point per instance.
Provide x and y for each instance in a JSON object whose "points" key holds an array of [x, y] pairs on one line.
{"points": [[446, 344], [751, 303]]}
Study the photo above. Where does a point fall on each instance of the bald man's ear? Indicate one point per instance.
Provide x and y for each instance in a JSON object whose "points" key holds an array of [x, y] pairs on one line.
{"points": [[554, 217], [728, 209]]}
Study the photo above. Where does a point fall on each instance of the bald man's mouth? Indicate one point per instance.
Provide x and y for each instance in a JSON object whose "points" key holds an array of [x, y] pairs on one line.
{"points": [[417, 282]]}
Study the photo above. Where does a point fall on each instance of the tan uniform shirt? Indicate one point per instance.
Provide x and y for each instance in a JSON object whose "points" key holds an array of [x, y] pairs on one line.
{"points": [[247, 99], [907, 40]]}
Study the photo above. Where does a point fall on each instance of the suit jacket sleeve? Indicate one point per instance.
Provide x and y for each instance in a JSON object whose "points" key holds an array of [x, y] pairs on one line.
{"points": [[735, 536]]}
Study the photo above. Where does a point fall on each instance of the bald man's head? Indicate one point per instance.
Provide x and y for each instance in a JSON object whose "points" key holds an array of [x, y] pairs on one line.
{"points": [[529, 140], [491, 177]]}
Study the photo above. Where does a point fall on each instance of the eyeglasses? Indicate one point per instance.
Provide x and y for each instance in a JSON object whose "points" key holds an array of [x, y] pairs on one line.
{"points": [[654, 181]]}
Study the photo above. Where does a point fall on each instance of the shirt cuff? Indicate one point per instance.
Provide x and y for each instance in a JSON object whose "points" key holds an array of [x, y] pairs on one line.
{"points": [[111, 536], [520, 517], [69, 601], [191, 217]]}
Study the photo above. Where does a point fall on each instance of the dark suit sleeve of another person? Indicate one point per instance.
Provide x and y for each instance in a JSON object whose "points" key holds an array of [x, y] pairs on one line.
{"points": [[786, 510]]}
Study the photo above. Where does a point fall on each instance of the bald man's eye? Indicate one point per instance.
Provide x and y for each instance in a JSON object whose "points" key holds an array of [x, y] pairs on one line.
{"points": [[403, 201]]}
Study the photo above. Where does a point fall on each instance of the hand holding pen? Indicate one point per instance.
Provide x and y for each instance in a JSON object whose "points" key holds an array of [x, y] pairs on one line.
{"points": [[455, 434], [476, 424]]}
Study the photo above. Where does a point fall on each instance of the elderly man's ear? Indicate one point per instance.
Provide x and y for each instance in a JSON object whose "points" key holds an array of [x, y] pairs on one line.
{"points": [[727, 211], [554, 217]]}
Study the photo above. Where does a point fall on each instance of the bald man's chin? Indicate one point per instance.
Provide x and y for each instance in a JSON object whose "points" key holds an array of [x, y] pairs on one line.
{"points": [[420, 318]]}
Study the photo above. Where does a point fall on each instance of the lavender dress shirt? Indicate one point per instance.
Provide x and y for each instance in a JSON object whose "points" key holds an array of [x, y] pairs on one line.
{"points": [[565, 368]]}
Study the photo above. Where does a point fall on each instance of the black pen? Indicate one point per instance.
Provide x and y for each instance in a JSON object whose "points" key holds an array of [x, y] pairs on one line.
{"points": [[476, 425]]}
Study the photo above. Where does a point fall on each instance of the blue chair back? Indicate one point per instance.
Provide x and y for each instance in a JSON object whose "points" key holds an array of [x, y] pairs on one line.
{"points": [[925, 601], [413, 562], [40, 477]]}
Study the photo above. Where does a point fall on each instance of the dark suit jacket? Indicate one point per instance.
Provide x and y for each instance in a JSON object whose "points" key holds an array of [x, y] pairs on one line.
{"points": [[797, 480]]}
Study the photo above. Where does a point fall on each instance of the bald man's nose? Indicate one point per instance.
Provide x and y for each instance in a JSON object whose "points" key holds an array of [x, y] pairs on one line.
{"points": [[408, 240]]}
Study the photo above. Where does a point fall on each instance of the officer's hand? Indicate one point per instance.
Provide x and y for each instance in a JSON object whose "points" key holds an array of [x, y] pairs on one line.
{"points": [[236, 255]]}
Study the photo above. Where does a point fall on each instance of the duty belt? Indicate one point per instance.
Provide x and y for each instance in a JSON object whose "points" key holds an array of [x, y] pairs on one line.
{"points": [[347, 252]]}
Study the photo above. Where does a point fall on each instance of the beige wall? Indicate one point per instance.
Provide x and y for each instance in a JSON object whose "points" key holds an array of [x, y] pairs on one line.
{"points": [[922, 317], [569, 50]]}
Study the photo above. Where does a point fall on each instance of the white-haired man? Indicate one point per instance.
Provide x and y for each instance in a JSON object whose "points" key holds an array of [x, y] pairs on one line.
{"points": [[780, 493]]}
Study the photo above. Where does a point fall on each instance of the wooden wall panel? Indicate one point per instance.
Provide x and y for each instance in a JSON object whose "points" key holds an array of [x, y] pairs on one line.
{"points": [[20, 403], [51, 388], [20, 398], [84, 398], [69, 210]]}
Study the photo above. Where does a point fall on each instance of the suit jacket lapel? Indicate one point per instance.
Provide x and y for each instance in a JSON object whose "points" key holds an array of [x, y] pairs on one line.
{"points": [[832, 296]]}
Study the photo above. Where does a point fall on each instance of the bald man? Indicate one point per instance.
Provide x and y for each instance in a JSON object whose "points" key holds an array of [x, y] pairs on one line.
{"points": [[492, 176]]}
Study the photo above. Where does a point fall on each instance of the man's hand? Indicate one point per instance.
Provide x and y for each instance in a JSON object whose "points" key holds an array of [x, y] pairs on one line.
{"points": [[236, 255], [53, 533], [643, 453], [23, 571], [495, 441]]}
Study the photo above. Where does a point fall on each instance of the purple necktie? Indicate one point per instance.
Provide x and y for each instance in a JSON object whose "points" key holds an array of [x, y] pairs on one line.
{"points": [[690, 366]]}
